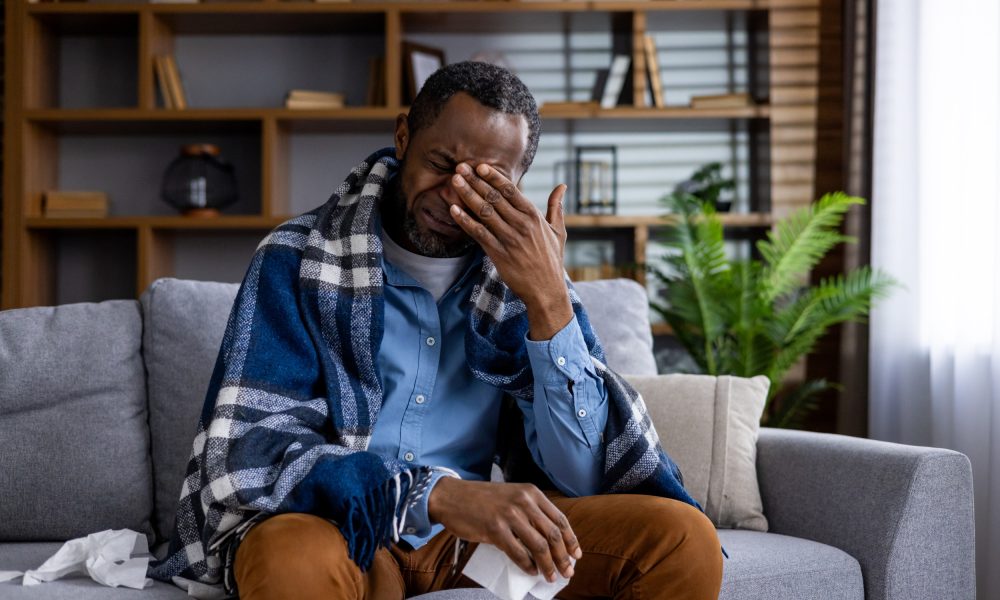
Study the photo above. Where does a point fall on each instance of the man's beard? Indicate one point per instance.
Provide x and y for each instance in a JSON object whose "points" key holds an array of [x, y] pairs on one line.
{"points": [[425, 242]]}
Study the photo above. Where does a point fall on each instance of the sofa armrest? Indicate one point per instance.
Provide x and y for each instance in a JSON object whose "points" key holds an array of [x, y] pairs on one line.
{"points": [[904, 512]]}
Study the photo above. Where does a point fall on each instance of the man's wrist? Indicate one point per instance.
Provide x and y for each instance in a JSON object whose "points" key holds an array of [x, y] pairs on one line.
{"points": [[438, 500], [548, 315]]}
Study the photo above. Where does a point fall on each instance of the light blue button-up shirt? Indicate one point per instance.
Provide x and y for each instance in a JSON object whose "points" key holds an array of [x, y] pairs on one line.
{"points": [[435, 412]]}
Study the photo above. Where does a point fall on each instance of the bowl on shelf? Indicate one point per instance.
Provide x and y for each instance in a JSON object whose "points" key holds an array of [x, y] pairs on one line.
{"points": [[199, 182]]}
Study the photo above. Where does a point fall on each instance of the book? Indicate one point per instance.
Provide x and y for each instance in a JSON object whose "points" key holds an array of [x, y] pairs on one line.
{"points": [[616, 80], [163, 82], [375, 95], [174, 76], [74, 204], [653, 66], [600, 80], [307, 104], [315, 96], [722, 101]]}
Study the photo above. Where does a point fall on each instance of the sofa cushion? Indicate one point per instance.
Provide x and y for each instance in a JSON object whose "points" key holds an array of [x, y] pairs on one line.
{"points": [[709, 426], [75, 456], [619, 312], [769, 566], [184, 322], [24, 556]]}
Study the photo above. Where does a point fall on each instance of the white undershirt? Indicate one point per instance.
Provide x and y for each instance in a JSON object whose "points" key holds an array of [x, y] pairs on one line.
{"points": [[435, 274]]}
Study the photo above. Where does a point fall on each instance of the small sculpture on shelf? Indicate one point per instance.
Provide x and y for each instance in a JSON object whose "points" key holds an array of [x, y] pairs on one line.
{"points": [[199, 182]]}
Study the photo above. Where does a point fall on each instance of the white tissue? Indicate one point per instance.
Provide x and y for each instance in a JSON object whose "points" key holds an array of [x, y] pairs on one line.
{"points": [[106, 556], [491, 568]]}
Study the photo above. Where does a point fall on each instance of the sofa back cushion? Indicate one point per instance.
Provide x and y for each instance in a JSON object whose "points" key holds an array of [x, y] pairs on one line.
{"points": [[185, 321], [75, 456], [619, 311]]}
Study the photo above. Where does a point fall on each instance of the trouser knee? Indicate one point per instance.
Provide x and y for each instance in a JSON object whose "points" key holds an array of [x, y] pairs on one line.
{"points": [[292, 553]]}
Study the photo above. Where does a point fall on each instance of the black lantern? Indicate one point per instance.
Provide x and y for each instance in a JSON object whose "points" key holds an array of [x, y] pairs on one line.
{"points": [[199, 182]]}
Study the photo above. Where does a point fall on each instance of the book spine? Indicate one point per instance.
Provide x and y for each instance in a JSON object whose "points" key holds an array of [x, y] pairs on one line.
{"points": [[616, 81]]}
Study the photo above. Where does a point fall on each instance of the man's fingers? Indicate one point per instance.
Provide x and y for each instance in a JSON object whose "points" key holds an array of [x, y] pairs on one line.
{"points": [[489, 194], [517, 552], [486, 212], [476, 230], [506, 187], [538, 545], [556, 540], [554, 214], [560, 520]]}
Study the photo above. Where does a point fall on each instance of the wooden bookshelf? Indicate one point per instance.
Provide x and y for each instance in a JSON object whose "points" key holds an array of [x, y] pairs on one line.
{"points": [[39, 124]]}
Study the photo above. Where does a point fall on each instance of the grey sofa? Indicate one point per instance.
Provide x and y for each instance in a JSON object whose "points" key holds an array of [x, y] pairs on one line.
{"points": [[98, 404]]}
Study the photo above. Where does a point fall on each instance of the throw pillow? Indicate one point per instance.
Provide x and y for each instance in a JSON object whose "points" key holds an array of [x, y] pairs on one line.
{"points": [[709, 426]]}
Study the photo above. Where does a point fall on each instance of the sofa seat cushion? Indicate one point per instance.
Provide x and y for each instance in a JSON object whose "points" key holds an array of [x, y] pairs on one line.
{"points": [[30, 555], [770, 566], [73, 422]]}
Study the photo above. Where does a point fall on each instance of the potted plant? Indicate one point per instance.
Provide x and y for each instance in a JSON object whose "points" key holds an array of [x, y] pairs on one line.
{"points": [[760, 316], [708, 185]]}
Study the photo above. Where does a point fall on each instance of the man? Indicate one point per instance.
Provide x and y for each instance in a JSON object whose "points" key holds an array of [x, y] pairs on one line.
{"points": [[356, 406]]}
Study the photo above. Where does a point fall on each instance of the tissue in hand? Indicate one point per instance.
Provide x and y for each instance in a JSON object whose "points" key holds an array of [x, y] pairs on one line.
{"points": [[491, 568]]}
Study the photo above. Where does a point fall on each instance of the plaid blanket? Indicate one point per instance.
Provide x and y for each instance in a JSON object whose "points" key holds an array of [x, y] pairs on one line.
{"points": [[295, 391]]}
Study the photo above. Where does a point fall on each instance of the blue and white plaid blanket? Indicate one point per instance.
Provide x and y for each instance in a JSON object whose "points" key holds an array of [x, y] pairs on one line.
{"points": [[295, 392]]}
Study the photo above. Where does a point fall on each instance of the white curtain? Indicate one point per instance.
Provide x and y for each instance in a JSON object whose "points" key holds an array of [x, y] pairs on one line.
{"points": [[935, 345]]}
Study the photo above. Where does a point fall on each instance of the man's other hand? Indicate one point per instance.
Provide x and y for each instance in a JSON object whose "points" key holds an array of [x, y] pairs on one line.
{"points": [[517, 518]]}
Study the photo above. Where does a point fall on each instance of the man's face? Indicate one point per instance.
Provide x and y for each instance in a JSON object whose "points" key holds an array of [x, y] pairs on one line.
{"points": [[465, 131]]}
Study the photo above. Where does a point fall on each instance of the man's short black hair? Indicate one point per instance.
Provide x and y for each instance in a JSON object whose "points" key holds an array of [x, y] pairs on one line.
{"points": [[490, 85]]}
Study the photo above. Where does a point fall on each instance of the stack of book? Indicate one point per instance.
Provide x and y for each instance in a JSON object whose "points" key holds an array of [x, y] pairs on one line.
{"points": [[58, 204], [314, 100], [171, 88]]}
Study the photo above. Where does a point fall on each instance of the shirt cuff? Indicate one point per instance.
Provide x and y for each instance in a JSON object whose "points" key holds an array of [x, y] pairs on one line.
{"points": [[417, 522], [563, 357]]}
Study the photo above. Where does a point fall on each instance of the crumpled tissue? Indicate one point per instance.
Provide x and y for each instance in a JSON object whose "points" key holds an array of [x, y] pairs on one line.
{"points": [[491, 568], [106, 556]]}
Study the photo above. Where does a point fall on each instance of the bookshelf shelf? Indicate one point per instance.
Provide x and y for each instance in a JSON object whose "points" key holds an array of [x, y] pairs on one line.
{"points": [[679, 112], [64, 132], [267, 223]]}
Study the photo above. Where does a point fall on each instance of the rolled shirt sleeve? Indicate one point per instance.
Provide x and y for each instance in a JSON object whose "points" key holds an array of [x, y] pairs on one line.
{"points": [[564, 425]]}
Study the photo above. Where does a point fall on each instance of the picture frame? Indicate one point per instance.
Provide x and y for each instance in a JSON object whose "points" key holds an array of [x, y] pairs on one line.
{"points": [[419, 63]]}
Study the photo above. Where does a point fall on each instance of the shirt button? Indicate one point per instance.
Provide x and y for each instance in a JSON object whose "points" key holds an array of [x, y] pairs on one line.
{"points": [[411, 530], [580, 413], [431, 341], [561, 361], [408, 456], [420, 399]]}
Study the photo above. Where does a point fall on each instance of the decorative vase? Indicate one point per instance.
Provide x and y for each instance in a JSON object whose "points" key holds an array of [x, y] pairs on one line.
{"points": [[199, 182]]}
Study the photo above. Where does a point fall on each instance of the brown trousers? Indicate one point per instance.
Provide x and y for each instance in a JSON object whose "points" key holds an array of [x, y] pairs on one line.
{"points": [[634, 547]]}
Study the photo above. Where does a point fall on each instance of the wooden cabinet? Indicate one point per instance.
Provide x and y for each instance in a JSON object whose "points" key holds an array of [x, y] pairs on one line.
{"points": [[83, 112]]}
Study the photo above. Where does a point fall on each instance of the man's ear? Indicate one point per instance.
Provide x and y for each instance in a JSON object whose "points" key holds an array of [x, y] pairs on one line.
{"points": [[402, 137]]}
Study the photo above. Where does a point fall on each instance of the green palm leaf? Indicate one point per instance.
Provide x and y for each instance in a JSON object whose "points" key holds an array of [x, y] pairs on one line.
{"points": [[801, 240]]}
